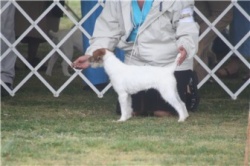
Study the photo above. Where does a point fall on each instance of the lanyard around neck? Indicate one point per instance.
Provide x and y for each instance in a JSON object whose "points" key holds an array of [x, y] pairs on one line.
{"points": [[139, 15]]}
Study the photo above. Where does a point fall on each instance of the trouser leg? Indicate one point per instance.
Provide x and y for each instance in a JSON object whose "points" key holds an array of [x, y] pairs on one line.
{"points": [[7, 30]]}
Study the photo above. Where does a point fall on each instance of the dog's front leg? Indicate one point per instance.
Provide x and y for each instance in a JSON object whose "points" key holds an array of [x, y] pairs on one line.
{"points": [[126, 107]]}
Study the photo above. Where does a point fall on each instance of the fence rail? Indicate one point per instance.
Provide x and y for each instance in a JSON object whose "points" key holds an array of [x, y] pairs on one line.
{"points": [[78, 25]]}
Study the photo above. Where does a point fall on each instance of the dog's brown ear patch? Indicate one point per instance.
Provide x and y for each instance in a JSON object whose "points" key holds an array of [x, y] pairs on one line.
{"points": [[99, 52]]}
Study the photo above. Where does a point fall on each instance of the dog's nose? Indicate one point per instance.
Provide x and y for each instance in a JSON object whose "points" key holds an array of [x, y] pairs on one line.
{"points": [[99, 58]]}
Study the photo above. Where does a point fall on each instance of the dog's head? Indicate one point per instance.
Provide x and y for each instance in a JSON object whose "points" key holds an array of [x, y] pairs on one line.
{"points": [[96, 60]]}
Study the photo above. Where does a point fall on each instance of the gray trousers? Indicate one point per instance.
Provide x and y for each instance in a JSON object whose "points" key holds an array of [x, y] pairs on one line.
{"points": [[7, 32]]}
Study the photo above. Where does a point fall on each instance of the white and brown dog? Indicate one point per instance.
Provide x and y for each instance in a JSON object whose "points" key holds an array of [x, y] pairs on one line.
{"points": [[128, 79], [74, 41]]}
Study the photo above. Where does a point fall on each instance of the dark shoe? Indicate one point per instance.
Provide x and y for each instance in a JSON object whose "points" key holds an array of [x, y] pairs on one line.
{"points": [[230, 70], [4, 92], [225, 73], [193, 97]]}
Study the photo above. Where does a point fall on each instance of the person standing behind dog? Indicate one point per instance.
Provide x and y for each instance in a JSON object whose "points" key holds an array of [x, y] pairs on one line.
{"points": [[151, 33]]}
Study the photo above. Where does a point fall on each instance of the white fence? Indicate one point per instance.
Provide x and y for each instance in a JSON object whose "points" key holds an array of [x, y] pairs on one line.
{"points": [[56, 92]]}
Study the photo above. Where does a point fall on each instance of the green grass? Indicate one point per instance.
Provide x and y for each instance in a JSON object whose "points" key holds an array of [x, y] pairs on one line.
{"points": [[78, 128]]}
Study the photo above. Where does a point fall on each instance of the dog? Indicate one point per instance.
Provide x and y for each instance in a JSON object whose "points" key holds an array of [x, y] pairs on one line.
{"points": [[74, 41], [129, 79]]}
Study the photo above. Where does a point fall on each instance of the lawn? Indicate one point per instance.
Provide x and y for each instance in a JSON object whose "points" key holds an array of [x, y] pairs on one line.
{"points": [[78, 128]]}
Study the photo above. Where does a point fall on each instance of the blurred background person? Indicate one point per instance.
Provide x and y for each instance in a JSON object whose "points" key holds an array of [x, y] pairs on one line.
{"points": [[211, 10], [7, 31], [236, 33], [50, 22]]}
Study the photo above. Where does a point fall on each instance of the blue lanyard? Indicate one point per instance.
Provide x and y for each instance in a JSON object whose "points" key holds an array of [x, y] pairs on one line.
{"points": [[139, 16]]}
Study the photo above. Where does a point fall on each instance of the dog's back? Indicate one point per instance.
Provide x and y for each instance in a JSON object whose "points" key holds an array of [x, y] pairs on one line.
{"points": [[109, 56], [134, 76]]}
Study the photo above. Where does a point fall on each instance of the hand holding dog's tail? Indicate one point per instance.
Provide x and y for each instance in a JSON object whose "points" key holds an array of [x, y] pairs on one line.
{"points": [[181, 56]]}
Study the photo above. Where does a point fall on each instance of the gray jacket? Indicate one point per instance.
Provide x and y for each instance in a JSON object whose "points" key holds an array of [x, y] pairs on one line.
{"points": [[159, 37]]}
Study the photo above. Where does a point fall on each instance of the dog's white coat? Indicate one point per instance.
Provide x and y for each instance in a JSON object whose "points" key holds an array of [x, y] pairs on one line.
{"points": [[74, 41], [127, 80]]}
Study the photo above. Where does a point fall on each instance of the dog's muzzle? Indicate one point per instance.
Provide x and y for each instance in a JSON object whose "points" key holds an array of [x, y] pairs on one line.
{"points": [[96, 62]]}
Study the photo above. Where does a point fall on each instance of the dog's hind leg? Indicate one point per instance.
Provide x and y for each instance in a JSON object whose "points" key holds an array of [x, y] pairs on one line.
{"points": [[172, 97], [126, 107]]}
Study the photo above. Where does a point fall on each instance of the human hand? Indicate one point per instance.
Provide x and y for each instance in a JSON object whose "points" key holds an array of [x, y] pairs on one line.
{"points": [[81, 63], [183, 56]]}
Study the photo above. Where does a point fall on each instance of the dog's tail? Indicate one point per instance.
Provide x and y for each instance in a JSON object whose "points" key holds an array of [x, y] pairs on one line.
{"points": [[176, 62]]}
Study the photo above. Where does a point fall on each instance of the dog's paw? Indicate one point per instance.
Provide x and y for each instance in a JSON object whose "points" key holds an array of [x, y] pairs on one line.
{"points": [[182, 119], [48, 74], [121, 120], [124, 118]]}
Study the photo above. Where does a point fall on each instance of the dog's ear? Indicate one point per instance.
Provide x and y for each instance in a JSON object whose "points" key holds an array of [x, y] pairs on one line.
{"points": [[99, 52]]}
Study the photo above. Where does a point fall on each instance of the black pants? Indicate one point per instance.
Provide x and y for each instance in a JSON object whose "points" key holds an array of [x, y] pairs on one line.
{"points": [[146, 102]]}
